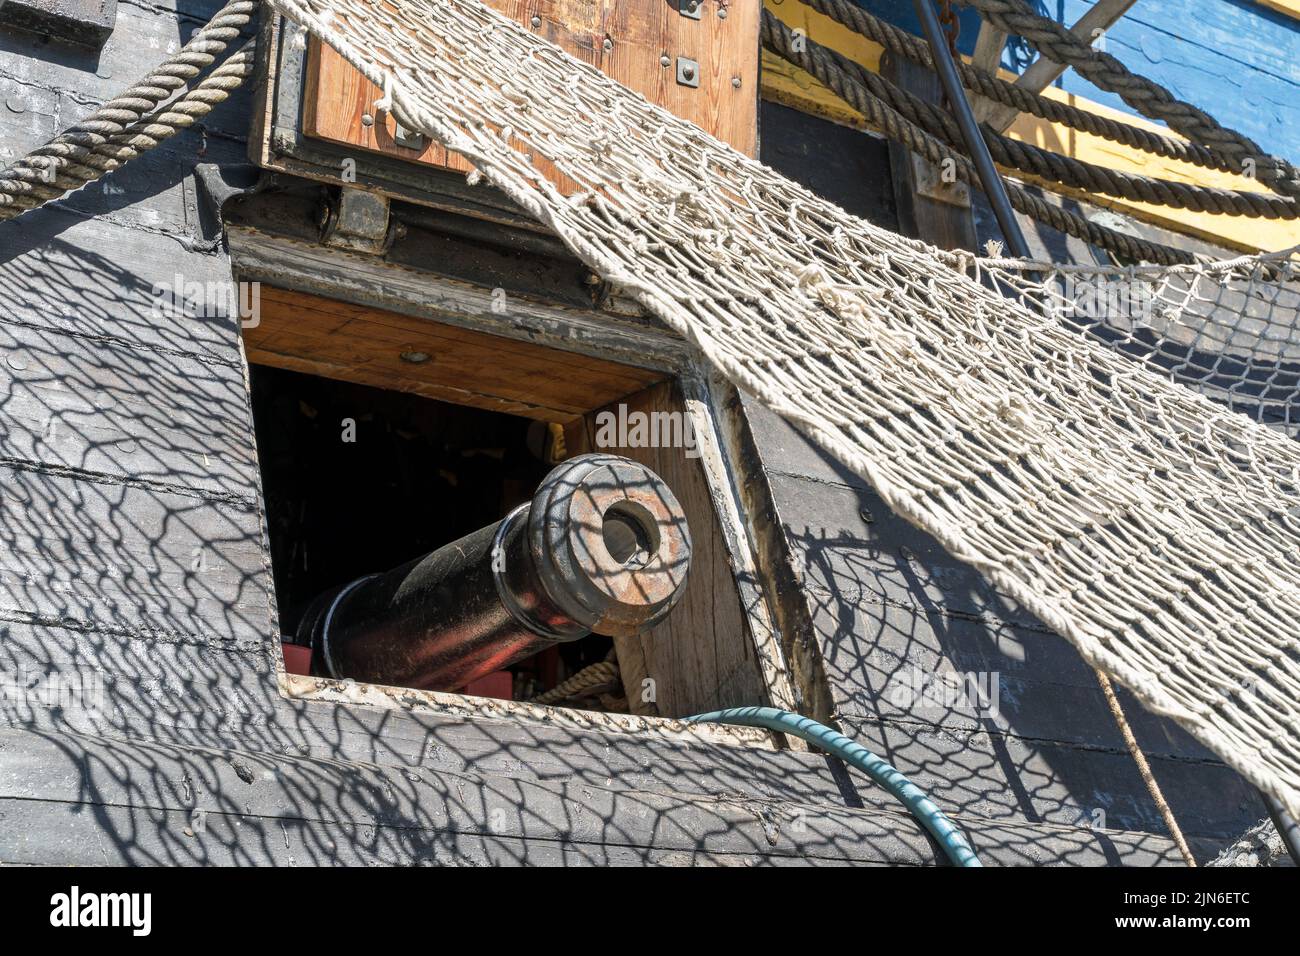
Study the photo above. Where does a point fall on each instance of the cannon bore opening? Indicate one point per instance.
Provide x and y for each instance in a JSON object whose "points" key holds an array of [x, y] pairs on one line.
{"points": [[630, 534]]}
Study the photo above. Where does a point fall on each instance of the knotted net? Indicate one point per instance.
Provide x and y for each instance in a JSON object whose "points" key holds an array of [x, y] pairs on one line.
{"points": [[1155, 529], [1230, 330]]}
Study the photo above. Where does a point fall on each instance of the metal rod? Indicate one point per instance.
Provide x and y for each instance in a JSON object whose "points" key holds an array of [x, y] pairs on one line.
{"points": [[1287, 828], [1144, 768], [994, 188]]}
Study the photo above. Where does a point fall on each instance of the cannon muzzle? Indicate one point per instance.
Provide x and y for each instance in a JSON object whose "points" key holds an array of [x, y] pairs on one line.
{"points": [[603, 548]]}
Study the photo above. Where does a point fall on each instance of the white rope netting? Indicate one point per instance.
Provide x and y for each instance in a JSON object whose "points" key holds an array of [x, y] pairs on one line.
{"points": [[1230, 330], [1155, 529]]}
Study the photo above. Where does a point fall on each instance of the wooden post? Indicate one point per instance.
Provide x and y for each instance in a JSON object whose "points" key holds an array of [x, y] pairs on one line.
{"points": [[988, 56], [932, 204]]}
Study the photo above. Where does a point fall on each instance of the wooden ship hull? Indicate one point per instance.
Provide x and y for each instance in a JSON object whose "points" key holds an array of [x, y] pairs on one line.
{"points": [[405, 356]]}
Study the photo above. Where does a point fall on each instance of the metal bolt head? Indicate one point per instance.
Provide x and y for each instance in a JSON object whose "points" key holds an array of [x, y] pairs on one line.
{"points": [[665, 60], [536, 22], [367, 120], [608, 44], [688, 71], [735, 81]]}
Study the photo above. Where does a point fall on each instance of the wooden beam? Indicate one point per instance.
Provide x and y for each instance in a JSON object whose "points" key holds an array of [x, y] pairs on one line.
{"points": [[928, 207], [353, 343], [636, 44], [1042, 73], [988, 56], [701, 657], [1289, 8], [275, 252]]}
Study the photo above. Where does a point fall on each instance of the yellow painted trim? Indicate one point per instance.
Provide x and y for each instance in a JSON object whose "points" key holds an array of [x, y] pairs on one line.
{"points": [[1290, 8], [786, 84]]}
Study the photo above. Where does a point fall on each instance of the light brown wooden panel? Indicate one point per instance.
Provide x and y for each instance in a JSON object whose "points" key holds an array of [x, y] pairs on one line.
{"points": [[702, 656], [336, 97], [307, 333]]}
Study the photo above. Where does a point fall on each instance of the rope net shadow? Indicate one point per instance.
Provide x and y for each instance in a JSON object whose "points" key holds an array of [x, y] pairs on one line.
{"points": [[1156, 529]]}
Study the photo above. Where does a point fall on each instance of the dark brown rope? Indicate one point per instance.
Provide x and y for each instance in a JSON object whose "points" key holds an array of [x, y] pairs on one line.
{"points": [[995, 88], [1149, 98], [820, 62]]}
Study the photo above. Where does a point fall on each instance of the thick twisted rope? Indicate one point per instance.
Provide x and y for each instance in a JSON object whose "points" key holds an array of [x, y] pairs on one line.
{"points": [[821, 63], [181, 113], [995, 88], [587, 679], [1058, 44], [77, 156], [1033, 159]]}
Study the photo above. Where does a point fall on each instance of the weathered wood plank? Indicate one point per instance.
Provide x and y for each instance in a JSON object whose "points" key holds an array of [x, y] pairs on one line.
{"points": [[130, 557], [307, 333], [889, 605], [205, 691], [626, 40], [848, 167], [49, 832], [886, 603], [104, 281], [989, 44], [388, 805], [897, 664], [996, 776], [725, 103], [105, 408], [293, 263], [701, 656], [932, 203]]}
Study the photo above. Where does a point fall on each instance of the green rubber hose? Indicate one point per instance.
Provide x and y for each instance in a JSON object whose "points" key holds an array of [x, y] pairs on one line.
{"points": [[903, 790]]}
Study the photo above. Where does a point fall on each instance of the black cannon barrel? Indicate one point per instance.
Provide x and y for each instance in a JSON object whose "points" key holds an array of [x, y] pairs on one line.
{"points": [[603, 547]]}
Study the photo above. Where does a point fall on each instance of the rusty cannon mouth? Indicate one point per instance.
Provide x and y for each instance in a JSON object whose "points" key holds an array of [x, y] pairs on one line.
{"points": [[603, 547]]}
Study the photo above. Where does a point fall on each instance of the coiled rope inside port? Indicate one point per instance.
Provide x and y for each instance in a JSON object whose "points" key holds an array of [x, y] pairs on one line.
{"points": [[921, 807], [587, 679]]}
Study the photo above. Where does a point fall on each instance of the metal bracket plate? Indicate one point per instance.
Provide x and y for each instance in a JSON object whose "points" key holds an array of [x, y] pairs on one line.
{"points": [[688, 72], [408, 138], [931, 183], [690, 8]]}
